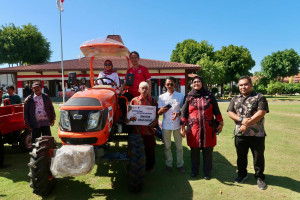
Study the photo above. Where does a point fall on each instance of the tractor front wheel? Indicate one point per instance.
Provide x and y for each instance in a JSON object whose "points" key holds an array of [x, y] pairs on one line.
{"points": [[41, 179], [136, 166]]}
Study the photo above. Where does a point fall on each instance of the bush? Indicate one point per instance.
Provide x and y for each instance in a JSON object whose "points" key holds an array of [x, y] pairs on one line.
{"points": [[214, 90], [275, 88], [289, 88]]}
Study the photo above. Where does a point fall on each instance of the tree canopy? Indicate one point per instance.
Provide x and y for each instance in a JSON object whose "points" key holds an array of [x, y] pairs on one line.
{"points": [[211, 71], [281, 64], [237, 62], [23, 45], [190, 51]]}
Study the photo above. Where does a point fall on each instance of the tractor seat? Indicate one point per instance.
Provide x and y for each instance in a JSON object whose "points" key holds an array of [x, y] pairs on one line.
{"points": [[102, 86]]}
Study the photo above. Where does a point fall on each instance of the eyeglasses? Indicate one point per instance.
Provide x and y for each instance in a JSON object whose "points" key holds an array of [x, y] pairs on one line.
{"points": [[196, 82], [170, 84], [107, 64]]}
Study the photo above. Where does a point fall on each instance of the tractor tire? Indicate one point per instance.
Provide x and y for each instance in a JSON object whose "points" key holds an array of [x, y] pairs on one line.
{"points": [[25, 141], [136, 165], [41, 179]]}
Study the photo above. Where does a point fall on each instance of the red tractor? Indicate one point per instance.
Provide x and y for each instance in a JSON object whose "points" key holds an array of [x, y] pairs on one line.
{"points": [[88, 120], [13, 129]]}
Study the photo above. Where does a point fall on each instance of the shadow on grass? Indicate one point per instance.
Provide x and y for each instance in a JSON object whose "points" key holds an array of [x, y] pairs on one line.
{"points": [[225, 172]]}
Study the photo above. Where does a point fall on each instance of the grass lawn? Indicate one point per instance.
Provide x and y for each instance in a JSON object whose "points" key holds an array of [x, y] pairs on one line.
{"points": [[108, 180]]}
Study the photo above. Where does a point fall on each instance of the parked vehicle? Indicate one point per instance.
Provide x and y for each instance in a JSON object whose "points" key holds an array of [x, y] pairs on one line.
{"points": [[12, 128], [90, 117]]}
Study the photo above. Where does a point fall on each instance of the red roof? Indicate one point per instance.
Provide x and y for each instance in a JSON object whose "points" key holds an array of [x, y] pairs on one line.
{"points": [[83, 64]]}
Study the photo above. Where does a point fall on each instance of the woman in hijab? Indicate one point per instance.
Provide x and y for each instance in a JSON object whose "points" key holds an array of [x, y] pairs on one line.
{"points": [[202, 116], [110, 73]]}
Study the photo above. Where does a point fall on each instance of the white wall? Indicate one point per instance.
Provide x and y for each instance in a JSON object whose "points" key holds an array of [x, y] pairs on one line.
{"points": [[5, 79]]}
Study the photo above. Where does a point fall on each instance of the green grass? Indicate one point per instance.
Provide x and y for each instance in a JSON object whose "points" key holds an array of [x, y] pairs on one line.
{"points": [[108, 181]]}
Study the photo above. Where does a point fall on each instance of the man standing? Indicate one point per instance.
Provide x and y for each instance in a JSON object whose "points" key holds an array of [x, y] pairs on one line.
{"points": [[14, 98], [248, 110], [140, 74], [39, 112], [169, 105]]}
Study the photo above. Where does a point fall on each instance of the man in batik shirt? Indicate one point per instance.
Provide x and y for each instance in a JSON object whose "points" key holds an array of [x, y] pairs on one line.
{"points": [[248, 110]]}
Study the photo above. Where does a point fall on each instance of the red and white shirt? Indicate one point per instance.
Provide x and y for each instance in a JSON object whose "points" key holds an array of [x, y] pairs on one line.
{"points": [[141, 74]]}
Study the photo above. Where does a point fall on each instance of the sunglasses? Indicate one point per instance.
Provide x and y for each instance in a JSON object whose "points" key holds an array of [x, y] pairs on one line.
{"points": [[107, 64], [196, 82], [170, 84]]}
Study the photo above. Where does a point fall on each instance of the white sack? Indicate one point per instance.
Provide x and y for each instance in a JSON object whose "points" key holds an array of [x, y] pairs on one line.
{"points": [[73, 160]]}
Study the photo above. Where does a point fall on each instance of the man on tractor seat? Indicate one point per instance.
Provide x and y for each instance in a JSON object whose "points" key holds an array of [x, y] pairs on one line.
{"points": [[13, 98]]}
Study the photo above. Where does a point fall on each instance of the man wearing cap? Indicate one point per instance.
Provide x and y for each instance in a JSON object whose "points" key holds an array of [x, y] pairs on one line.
{"points": [[39, 112]]}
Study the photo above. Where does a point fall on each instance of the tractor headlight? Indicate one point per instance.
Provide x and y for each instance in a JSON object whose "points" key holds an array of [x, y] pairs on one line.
{"points": [[93, 120], [65, 120]]}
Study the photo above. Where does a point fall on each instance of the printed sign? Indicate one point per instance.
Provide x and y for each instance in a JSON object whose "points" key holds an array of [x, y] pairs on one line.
{"points": [[141, 115]]}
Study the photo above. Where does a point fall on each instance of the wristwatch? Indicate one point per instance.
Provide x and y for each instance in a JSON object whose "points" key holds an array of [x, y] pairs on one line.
{"points": [[240, 120]]}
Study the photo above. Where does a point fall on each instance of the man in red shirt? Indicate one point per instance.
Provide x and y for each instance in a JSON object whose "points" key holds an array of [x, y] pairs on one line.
{"points": [[140, 74]]}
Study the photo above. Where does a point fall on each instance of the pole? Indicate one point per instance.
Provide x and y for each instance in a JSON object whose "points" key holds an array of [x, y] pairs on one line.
{"points": [[62, 60]]}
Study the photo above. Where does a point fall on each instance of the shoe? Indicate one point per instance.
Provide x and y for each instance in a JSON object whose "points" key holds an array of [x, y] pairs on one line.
{"points": [[194, 175], [181, 169], [207, 178], [261, 184], [168, 169], [241, 179]]}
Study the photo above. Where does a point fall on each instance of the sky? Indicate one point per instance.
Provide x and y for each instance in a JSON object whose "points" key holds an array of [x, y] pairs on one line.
{"points": [[153, 28]]}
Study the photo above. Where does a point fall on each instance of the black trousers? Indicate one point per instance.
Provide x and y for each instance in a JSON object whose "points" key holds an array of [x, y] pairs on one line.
{"points": [[149, 144], [37, 132], [207, 159], [257, 146]]}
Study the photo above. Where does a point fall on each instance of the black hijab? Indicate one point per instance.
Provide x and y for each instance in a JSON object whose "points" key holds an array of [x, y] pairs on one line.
{"points": [[198, 93]]}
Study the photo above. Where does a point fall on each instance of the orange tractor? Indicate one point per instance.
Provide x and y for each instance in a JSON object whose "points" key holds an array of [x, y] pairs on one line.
{"points": [[12, 128], [89, 121]]}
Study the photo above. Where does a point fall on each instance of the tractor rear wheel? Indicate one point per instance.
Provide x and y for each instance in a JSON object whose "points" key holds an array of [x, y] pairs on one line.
{"points": [[41, 179], [25, 141], [136, 166]]}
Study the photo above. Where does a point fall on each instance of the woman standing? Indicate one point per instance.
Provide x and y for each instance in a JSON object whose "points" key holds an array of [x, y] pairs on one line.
{"points": [[200, 113]]}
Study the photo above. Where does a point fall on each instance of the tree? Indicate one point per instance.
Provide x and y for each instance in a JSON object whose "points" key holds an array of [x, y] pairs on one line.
{"points": [[281, 64], [211, 71], [190, 51], [23, 45], [237, 62]]}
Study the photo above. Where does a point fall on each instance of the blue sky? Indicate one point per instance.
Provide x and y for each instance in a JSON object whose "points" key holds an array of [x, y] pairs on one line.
{"points": [[153, 28]]}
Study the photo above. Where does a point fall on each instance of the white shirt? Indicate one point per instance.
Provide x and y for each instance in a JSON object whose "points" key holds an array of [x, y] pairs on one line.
{"points": [[176, 101], [114, 76]]}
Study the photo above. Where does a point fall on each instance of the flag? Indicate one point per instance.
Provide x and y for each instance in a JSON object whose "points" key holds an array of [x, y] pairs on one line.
{"points": [[60, 5]]}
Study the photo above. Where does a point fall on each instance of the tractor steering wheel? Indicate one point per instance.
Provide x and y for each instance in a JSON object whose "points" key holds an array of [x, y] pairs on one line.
{"points": [[104, 83]]}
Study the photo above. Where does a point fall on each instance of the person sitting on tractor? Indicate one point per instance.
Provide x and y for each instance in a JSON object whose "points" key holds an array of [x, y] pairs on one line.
{"points": [[13, 98], [110, 76]]}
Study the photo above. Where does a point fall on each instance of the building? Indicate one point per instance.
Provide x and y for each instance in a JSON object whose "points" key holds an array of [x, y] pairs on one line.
{"points": [[51, 78]]}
